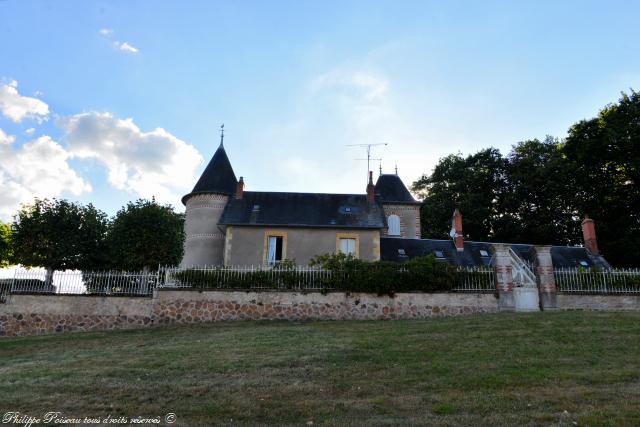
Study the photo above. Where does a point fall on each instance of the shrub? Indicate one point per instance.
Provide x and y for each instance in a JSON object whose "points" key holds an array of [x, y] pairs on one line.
{"points": [[344, 273]]}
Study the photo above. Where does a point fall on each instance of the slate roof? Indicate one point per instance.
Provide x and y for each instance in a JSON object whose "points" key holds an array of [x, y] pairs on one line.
{"points": [[390, 188], [303, 210], [218, 176], [562, 256]]}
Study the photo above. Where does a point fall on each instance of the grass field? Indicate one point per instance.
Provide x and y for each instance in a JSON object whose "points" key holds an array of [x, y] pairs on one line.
{"points": [[568, 368]]}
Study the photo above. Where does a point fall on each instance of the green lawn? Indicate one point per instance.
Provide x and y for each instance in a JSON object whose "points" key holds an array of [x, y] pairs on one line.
{"points": [[502, 369]]}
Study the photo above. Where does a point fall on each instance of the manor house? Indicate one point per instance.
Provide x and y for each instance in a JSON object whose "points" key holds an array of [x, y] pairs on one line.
{"points": [[226, 225]]}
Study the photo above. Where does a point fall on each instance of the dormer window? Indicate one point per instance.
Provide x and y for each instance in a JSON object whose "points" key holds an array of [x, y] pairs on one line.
{"points": [[393, 222]]}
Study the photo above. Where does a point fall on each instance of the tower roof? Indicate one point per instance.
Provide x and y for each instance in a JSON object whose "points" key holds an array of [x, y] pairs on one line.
{"points": [[390, 188], [218, 176]]}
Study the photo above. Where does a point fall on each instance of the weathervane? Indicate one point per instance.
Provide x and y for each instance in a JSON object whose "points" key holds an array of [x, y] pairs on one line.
{"points": [[221, 134]]}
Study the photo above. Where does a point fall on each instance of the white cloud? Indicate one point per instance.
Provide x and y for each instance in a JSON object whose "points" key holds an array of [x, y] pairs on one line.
{"points": [[37, 169], [6, 139], [154, 163], [125, 47], [17, 107], [30, 131]]}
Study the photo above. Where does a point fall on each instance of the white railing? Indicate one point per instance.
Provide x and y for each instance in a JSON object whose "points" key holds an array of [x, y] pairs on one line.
{"points": [[614, 281], [522, 271], [36, 281], [475, 279], [248, 277], [114, 283]]}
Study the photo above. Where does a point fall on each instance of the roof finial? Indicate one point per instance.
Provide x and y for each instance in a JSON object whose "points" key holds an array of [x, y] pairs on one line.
{"points": [[381, 167], [221, 135], [396, 169]]}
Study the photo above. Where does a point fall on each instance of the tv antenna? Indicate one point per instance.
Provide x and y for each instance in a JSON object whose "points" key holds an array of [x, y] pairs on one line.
{"points": [[368, 147], [375, 160]]}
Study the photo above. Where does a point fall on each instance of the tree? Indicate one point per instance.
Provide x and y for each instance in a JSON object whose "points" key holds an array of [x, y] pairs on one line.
{"points": [[606, 153], [472, 184], [540, 192], [536, 206], [5, 244], [59, 235], [145, 234]]}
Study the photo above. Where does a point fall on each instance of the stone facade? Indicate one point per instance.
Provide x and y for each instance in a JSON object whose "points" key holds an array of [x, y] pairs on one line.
{"points": [[204, 239], [247, 245], [409, 215]]}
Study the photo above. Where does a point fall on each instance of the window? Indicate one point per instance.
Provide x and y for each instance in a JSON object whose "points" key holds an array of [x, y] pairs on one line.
{"points": [[348, 243], [401, 252], [484, 253], [275, 247], [348, 246], [393, 221], [584, 263], [439, 254]]}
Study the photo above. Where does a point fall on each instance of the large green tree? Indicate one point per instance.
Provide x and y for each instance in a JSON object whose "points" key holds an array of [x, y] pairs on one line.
{"points": [[540, 191], [605, 152], [472, 184], [536, 205], [5, 244], [59, 235], [145, 234]]}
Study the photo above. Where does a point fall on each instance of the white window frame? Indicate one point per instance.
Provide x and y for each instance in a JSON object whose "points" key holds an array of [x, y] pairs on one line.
{"points": [[393, 224]]}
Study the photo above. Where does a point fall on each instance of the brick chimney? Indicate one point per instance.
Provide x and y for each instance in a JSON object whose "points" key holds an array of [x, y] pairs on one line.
{"points": [[589, 235], [240, 188], [371, 189], [456, 230]]}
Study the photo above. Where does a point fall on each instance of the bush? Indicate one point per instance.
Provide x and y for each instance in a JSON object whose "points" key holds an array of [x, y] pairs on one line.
{"points": [[345, 273]]}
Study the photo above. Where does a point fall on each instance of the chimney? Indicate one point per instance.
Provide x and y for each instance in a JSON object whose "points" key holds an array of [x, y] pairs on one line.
{"points": [[589, 235], [240, 189], [370, 189], [456, 230]]}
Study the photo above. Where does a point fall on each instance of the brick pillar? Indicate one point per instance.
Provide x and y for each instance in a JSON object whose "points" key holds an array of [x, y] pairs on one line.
{"points": [[546, 279], [504, 278]]}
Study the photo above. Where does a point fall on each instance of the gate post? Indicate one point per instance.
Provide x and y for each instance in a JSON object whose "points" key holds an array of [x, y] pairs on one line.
{"points": [[504, 276], [546, 278]]}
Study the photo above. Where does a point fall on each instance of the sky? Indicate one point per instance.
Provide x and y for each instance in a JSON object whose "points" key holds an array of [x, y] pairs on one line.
{"points": [[105, 102]]}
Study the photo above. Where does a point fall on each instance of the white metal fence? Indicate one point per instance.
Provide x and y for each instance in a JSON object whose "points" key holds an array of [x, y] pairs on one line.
{"points": [[114, 283], [475, 279], [36, 281], [465, 279], [614, 281]]}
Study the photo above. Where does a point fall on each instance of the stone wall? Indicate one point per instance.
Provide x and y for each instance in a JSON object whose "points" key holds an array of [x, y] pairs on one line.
{"points": [[598, 302], [208, 306], [39, 314], [42, 314]]}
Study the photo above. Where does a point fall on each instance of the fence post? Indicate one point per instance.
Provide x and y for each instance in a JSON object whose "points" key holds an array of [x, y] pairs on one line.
{"points": [[504, 276], [546, 278]]}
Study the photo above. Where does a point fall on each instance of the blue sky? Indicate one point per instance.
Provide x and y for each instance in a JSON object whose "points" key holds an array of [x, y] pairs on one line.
{"points": [[108, 101]]}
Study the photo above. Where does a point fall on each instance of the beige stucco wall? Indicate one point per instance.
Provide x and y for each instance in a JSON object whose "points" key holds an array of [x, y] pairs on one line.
{"points": [[246, 245], [204, 239], [409, 218]]}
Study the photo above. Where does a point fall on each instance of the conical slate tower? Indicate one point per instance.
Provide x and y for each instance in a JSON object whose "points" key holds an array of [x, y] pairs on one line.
{"points": [[218, 177], [204, 240]]}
